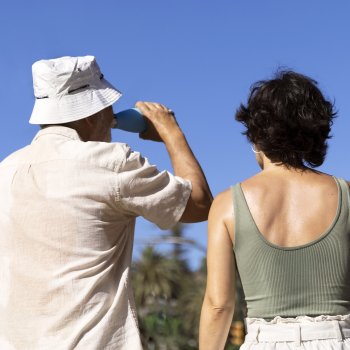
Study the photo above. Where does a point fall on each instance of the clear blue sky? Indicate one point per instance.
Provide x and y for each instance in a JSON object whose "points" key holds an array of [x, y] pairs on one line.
{"points": [[197, 57]]}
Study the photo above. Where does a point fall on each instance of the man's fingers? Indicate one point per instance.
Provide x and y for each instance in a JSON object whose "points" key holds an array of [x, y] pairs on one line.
{"points": [[149, 106], [158, 106], [142, 106]]}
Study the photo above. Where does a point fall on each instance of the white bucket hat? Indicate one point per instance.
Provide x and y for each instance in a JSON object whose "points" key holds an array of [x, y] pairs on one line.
{"points": [[68, 89]]}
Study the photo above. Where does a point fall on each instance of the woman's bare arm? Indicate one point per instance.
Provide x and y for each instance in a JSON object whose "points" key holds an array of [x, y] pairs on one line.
{"points": [[219, 299]]}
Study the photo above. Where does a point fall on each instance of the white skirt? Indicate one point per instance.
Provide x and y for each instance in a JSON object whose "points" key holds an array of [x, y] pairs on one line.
{"points": [[302, 332]]}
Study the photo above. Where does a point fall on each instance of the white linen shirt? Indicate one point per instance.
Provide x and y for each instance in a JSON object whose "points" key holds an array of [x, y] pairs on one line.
{"points": [[67, 217]]}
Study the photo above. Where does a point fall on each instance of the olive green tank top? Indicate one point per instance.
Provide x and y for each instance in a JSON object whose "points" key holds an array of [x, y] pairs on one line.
{"points": [[312, 279]]}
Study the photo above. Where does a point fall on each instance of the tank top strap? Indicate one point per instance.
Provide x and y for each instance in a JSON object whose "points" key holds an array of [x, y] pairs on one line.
{"points": [[345, 190], [243, 221], [345, 202]]}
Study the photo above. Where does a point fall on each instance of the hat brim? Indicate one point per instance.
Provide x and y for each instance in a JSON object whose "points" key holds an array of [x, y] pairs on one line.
{"points": [[78, 105]]}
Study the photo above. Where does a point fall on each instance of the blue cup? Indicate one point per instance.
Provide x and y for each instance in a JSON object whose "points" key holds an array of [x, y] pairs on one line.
{"points": [[130, 120]]}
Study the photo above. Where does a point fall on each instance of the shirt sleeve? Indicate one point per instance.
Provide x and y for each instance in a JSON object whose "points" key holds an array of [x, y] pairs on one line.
{"points": [[158, 196]]}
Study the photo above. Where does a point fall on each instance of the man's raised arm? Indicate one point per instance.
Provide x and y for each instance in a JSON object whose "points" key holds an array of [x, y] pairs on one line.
{"points": [[162, 126]]}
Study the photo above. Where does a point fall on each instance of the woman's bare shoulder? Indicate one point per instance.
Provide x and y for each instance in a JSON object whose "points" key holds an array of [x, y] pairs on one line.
{"points": [[256, 186], [223, 200], [222, 210]]}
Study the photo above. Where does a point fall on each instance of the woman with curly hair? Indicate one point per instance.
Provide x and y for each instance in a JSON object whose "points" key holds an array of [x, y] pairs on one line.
{"points": [[286, 230]]}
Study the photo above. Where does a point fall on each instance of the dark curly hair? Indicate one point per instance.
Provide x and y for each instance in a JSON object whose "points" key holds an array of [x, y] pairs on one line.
{"points": [[288, 119]]}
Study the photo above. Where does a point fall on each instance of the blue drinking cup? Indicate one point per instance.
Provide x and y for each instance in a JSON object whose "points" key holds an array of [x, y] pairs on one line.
{"points": [[130, 120]]}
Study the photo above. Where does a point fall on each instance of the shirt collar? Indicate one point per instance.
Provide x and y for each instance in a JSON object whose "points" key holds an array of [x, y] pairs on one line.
{"points": [[58, 130]]}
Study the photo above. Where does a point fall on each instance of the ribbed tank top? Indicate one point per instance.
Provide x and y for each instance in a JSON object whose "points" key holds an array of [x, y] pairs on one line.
{"points": [[312, 279]]}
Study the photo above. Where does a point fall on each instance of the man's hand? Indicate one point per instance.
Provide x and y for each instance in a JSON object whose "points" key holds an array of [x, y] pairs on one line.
{"points": [[161, 122]]}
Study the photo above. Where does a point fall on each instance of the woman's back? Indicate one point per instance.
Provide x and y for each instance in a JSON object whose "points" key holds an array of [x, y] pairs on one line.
{"points": [[291, 208], [293, 255]]}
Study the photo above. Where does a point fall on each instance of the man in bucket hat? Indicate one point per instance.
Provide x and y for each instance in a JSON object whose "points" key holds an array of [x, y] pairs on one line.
{"points": [[67, 213]]}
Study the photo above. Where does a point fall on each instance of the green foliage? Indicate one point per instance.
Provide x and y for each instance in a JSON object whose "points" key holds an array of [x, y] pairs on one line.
{"points": [[169, 298], [231, 347], [155, 278]]}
